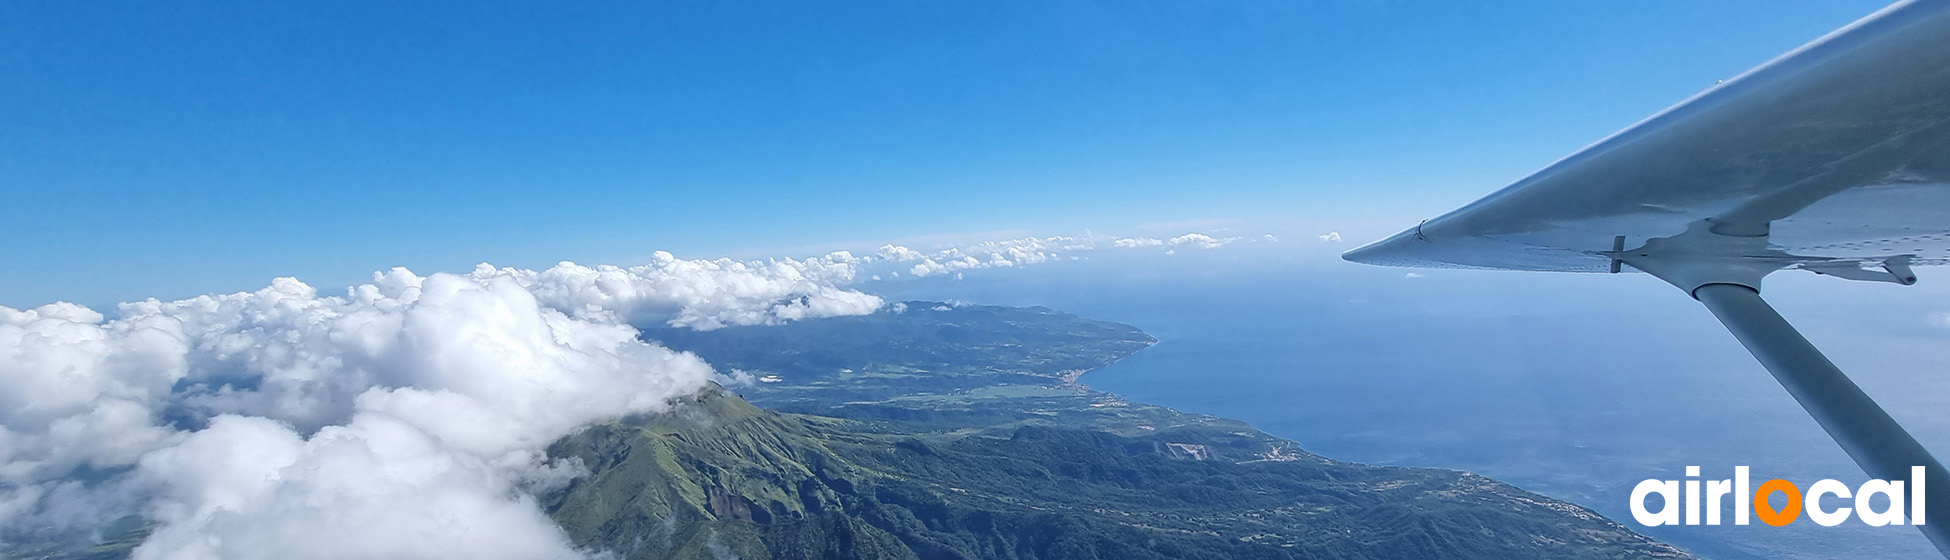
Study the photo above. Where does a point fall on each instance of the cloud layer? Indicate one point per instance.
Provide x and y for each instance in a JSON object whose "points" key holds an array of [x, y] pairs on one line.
{"points": [[1029, 251], [403, 419]]}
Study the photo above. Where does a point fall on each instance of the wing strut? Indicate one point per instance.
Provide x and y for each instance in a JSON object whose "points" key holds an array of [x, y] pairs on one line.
{"points": [[1883, 448]]}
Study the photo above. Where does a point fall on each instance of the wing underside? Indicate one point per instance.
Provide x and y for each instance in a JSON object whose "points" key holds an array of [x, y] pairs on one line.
{"points": [[1835, 156]]}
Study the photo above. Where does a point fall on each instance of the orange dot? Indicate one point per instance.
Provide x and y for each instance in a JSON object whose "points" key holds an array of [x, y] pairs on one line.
{"points": [[1783, 516]]}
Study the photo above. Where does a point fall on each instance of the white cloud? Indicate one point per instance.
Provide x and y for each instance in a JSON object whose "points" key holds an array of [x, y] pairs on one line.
{"points": [[1029, 251], [75, 392], [899, 253], [1200, 240], [378, 487], [704, 294], [1331, 237], [405, 419]]}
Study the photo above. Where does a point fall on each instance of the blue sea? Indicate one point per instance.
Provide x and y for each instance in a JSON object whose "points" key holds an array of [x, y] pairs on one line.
{"points": [[1573, 386]]}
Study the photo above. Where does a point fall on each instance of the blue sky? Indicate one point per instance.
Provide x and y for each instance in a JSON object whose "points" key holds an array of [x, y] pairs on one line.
{"points": [[170, 149]]}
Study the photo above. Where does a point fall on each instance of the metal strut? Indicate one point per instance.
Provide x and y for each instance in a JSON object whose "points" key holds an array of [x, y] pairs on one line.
{"points": [[1877, 443]]}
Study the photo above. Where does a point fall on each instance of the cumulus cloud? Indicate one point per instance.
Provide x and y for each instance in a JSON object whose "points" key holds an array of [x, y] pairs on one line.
{"points": [[377, 487], [404, 419], [1200, 240], [1029, 251], [704, 294], [1331, 237]]}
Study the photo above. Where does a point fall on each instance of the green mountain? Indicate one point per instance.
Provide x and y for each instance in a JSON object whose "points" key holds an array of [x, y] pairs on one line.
{"points": [[949, 432], [720, 478]]}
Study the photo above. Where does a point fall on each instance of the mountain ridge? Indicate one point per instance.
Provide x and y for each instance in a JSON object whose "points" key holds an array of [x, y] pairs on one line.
{"points": [[771, 485], [958, 432]]}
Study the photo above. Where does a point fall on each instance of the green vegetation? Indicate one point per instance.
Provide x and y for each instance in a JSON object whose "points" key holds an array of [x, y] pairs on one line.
{"points": [[929, 349], [993, 450], [720, 478]]}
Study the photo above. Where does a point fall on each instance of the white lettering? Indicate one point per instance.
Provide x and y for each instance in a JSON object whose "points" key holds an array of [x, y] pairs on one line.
{"points": [[1716, 493], [1813, 503], [1742, 496], [1916, 501], [1692, 496], [1891, 516], [1668, 513]]}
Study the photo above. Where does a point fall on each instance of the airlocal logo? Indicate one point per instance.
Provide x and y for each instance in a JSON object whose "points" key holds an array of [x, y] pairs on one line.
{"points": [[1718, 490]]}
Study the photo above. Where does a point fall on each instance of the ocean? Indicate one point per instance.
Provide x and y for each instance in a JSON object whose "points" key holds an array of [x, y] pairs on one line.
{"points": [[1573, 386]]}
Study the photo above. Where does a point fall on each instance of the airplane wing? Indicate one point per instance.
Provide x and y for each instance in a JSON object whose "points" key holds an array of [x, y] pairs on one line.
{"points": [[1838, 153], [1833, 158]]}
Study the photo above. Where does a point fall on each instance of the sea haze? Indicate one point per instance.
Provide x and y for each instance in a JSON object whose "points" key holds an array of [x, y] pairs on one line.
{"points": [[1575, 386]]}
